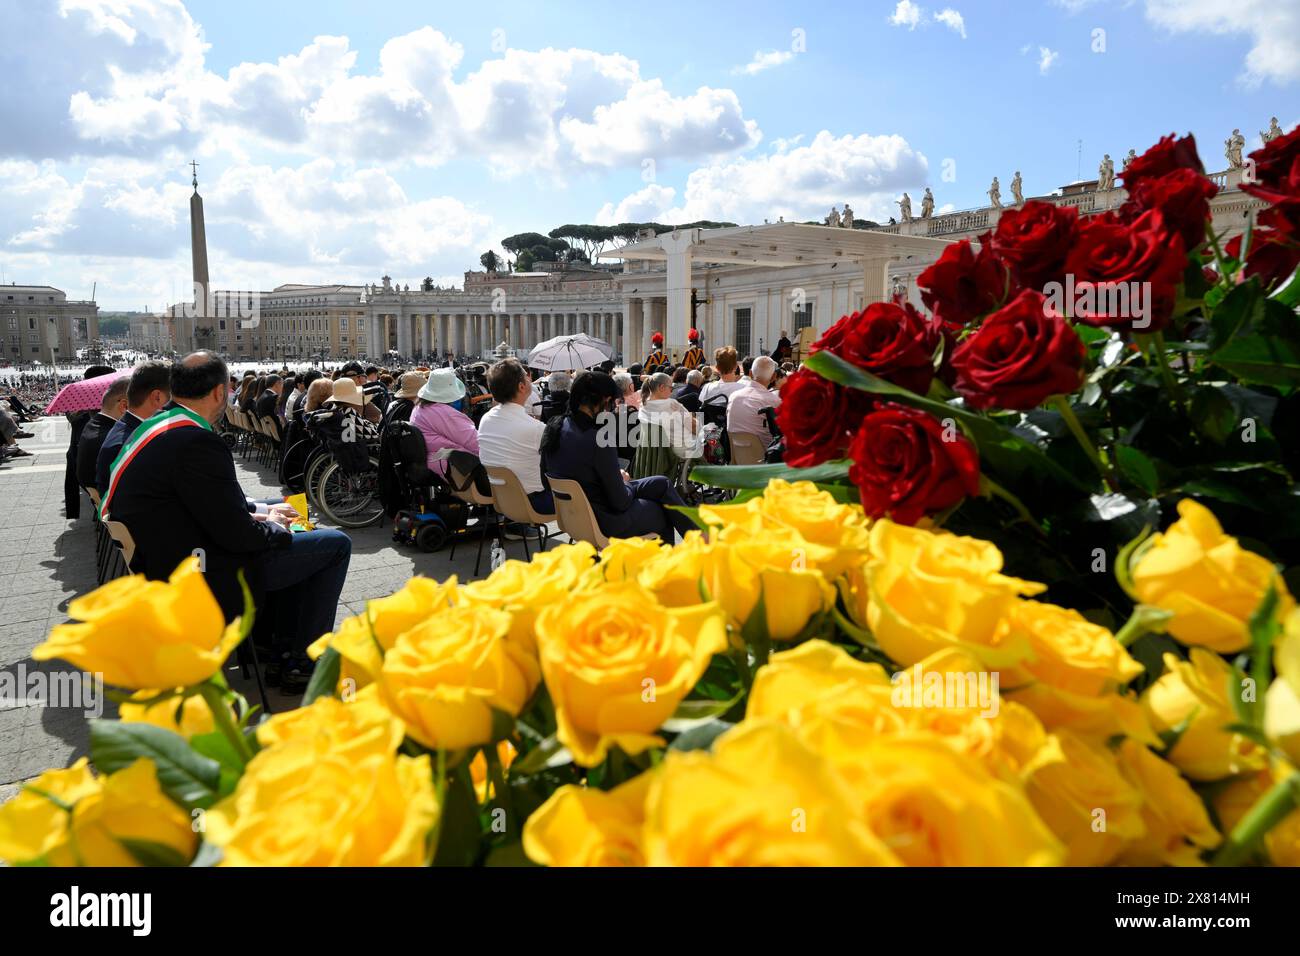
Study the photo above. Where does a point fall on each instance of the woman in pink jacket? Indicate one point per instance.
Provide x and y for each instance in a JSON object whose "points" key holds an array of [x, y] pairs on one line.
{"points": [[444, 426]]}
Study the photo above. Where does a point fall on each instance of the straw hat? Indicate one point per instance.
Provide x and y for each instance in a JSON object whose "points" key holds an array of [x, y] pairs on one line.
{"points": [[443, 386], [410, 385], [345, 390]]}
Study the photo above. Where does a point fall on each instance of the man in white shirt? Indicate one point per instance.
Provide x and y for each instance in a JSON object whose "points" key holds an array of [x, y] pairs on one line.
{"points": [[508, 437], [727, 362], [745, 408]]}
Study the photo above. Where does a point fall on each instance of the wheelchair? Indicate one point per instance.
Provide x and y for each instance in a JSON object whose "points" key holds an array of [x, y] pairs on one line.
{"points": [[424, 510]]}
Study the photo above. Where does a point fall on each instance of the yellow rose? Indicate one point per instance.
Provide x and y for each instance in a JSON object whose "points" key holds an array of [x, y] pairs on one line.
{"points": [[1076, 674], [299, 804], [761, 798], [355, 729], [583, 826], [139, 634], [674, 575], [131, 808], [1078, 790], [837, 534], [617, 663], [623, 558], [1282, 703], [478, 768], [934, 806], [1282, 842], [187, 718], [816, 676], [1195, 692], [363, 639], [445, 677], [35, 825], [743, 567], [933, 591], [1207, 581], [523, 588], [1178, 827]]}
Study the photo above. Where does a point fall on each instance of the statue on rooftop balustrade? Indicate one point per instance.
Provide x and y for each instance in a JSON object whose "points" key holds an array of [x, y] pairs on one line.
{"points": [[995, 194], [1016, 186], [847, 220], [927, 204], [1106, 174], [905, 207], [1232, 147], [1273, 131], [833, 219], [1132, 155]]}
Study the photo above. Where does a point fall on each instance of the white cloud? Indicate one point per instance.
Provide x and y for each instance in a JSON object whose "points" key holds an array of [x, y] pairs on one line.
{"points": [[1047, 59], [764, 61], [1272, 26], [952, 20], [798, 183], [906, 14]]}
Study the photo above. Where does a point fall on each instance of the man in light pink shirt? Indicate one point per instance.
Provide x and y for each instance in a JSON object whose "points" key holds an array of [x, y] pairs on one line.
{"points": [[745, 407]]}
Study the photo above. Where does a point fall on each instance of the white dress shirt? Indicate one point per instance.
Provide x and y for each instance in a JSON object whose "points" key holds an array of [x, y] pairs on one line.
{"points": [[719, 387], [508, 437]]}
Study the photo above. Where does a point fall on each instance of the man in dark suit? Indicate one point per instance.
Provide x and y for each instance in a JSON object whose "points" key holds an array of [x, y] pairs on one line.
{"points": [[270, 397], [688, 393], [174, 487], [149, 389], [97, 430], [581, 447]]}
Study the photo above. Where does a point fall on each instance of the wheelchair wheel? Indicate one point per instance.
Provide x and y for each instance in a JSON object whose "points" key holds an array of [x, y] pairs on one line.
{"points": [[316, 465], [431, 537], [351, 499]]}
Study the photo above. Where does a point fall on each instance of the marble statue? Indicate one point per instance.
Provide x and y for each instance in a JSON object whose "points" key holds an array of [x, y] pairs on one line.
{"points": [[927, 204], [847, 220], [1132, 155], [1017, 185], [1233, 146], [905, 207], [833, 219], [1273, 131], [1106, 174], [995, 194]]}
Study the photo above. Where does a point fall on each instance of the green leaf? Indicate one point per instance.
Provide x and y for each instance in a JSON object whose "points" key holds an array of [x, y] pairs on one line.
{"points": [[324, 677], [511, 854], [458, 825], [1239, 311], [208, 855], [695, 713], [999, 447], [1213, 413], [1138, 469], [149, 853], [754, 631], [1263, 359], [757, 476], [187, 777], [701, 737], [549, 753]]}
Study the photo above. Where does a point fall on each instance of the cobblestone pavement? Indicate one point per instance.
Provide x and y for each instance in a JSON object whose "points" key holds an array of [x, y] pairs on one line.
{"points": [[47, 560]]}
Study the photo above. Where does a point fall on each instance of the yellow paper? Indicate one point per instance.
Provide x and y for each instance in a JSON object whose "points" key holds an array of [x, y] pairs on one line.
{"points": [[299, 504]]}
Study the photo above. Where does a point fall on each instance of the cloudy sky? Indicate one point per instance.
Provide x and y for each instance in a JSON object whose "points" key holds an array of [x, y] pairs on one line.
{"points": [[339, 140]]}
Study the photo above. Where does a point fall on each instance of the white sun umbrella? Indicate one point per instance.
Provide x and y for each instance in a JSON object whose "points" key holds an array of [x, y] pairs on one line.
{"points": [[566, 352]]}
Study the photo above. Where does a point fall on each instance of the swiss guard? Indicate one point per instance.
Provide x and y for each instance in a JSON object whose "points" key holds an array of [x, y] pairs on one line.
{"points": [[694, 356], [656, 358]]}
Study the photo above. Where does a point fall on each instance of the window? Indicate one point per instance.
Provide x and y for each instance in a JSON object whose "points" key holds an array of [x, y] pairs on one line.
{"points": [[33, 336], [803, 318], [221, 324], [343, 325], [31, 321], [744, 321], [13, 323]]}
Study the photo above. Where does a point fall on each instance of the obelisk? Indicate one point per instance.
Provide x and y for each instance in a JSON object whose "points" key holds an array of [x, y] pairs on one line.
{"points": [[199, 260]]}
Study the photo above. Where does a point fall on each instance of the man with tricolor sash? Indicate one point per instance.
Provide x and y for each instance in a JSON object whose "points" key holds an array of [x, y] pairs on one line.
{"points": [[174, 487]]}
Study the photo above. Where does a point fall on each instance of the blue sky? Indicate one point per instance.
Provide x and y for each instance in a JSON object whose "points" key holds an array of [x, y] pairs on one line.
{"points": [[338, 140]]}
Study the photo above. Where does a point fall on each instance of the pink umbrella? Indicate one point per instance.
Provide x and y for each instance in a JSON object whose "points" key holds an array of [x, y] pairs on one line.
{"points": [[83, 395]]}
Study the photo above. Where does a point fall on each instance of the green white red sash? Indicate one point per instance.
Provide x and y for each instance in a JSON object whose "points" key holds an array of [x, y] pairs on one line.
{"points": [[167, 420]]}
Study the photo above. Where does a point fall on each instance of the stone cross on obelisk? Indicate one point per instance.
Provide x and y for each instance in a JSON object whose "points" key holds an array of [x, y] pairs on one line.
{"points": [[199, 260]]}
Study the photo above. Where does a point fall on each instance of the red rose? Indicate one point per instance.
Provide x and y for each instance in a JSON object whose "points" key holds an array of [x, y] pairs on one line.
{"points": [[1021, 355], [908, 464], [1270, 258], [962, 285], [1034, 241], [1162, 158], [895, 342], [1125, 274], [817, 418], [1277, 169], [1183, 198], [1284, 218]]}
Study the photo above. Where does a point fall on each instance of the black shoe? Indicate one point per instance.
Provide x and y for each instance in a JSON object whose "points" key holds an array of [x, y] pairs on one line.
{"points": [[515, 531], [296, 674]]}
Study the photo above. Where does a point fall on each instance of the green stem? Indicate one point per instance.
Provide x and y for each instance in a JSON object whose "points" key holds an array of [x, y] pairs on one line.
{"points": [[216, 700], [1144, 619], [1062, 405], [1271, 809], [1156, 344], [997, 491], [500, 792]]}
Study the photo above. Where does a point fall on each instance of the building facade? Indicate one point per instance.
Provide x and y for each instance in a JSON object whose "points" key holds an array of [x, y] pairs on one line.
{"points": [[39, 323]]}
